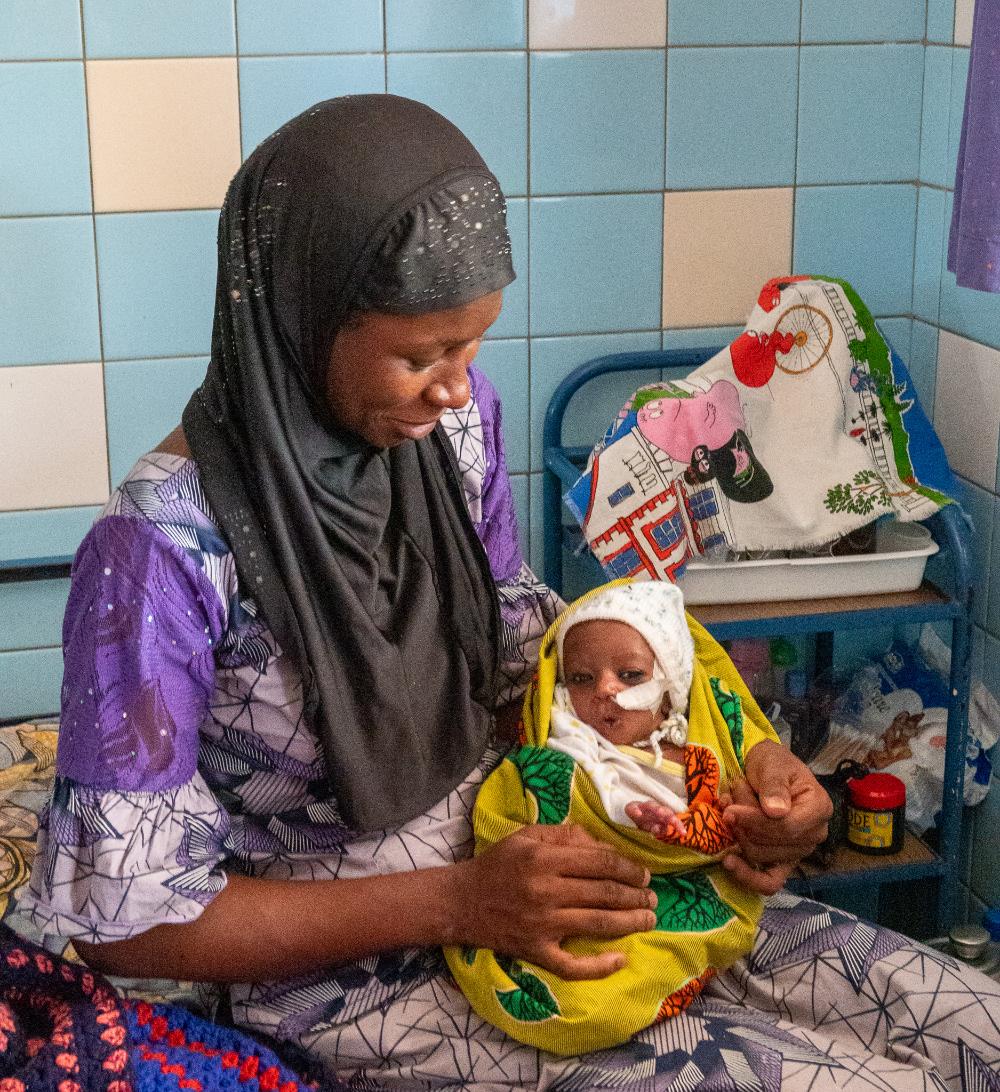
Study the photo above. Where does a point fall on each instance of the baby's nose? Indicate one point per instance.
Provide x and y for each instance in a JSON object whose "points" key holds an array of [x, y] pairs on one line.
{"points": [[609, 684]]}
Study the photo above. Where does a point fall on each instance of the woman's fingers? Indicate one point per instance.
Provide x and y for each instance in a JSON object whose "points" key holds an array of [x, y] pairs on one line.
{"points": [[753, 825], [602, 895], [577, 968], [763, 880], [545, 885], [569, 851]]}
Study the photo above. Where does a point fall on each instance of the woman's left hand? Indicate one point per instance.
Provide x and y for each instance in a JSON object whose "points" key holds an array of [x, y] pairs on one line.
{"points": [[778, 815]]}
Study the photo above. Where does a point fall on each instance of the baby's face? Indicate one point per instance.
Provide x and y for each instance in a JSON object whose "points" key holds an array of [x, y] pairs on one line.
{"points": [[600, 659]]}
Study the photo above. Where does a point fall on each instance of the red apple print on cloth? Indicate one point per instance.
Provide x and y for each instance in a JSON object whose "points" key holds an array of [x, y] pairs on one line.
{"points": [[755, 356]]}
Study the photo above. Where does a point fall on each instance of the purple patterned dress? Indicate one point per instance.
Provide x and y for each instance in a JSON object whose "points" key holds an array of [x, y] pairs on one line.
{"points": [[183, 754]]}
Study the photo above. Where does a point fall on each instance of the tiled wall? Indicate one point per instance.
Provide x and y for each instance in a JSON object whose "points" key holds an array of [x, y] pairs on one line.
{"points": [[661, 160], [960, 330]]}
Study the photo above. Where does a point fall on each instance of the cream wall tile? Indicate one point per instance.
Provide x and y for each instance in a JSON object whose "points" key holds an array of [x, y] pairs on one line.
{"points": [[596, 24], [52, 440], [719, 247], [964, 10], [164, 134], [967, 406]]}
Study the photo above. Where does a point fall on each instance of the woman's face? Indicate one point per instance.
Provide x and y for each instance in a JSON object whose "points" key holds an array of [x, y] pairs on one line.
{"points": [[601, 659], [391, 377]]}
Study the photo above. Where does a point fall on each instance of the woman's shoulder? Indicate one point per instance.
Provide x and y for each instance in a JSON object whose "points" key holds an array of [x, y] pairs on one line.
{"points": [[161, 508], [164, 488]]}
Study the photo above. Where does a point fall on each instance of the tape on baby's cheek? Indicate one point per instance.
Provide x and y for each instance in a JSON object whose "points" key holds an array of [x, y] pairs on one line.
{"points": [[647, 695]]}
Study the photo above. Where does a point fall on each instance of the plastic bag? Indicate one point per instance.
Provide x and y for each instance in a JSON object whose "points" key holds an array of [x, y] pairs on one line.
{"points": [[893, 716]]}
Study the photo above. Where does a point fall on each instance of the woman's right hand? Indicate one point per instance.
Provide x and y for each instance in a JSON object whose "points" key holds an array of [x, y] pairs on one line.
{"points": [[544, 885]]}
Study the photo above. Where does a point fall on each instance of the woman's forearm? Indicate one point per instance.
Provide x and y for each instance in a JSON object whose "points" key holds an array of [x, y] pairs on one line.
{"points": [[256, 929]]}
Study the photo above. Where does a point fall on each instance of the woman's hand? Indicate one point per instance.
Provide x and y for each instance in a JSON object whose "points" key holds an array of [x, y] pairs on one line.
{"points": [[547, 884], [778, 816]]}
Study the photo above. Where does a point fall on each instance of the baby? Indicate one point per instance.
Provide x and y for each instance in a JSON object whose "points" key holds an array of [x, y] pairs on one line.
{"points": [[634, 726]]}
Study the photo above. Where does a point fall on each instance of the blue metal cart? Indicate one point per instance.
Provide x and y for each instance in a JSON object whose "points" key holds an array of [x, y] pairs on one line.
{"points": [[949, 600]]}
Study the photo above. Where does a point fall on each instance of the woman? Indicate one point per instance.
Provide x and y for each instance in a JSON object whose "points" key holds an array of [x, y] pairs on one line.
{"points": [[285, 642]]}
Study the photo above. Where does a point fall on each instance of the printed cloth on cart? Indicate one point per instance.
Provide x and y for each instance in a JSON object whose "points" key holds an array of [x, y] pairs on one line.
{"points": [[803, 429]]}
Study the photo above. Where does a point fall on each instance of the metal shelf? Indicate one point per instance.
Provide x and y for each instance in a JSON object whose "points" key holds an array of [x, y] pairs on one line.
{"points": [[849, 870], [914, 861]]}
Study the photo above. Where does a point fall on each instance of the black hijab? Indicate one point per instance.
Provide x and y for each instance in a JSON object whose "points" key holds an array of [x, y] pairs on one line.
{"points": [[364, 561]]}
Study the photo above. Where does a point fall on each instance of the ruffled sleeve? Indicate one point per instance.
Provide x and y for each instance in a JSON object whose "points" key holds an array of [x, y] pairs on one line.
{"points": [[527, 606], [133, 836]]}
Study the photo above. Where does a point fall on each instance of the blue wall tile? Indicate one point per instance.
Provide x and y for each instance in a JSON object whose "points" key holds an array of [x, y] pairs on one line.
{"points": [[484, 94], [972, 314], [162, 388], [959, 79], [48, 305], [309, 26], [862, 233], [536, 549], [965, 311], [940, 20], [513, 320], [595, 263], [455, 24], [923, 363], [935, 165], [929, 254], [157, 282], [45, 165], [182, 28], [275, 89], [859, 113], [992, 614], [700, 337], [982, 508], [731, 117], [44, 532], [30, 682], [505, 364], [32, 613], [592, 408], [732, 22], [898, 332], [520, 487], [42, 29], [597, 121], [862, 20]]}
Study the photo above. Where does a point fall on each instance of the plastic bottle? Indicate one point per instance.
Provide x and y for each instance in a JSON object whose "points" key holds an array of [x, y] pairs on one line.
{"points": [[783, 657]]}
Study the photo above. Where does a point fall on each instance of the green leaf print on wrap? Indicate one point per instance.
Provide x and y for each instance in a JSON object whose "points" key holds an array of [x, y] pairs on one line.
{"points": [[732, 711], [548, 776], [532, 1000], [688, 903]]}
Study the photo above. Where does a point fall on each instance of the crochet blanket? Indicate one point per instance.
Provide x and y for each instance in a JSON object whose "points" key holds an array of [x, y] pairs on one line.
{"points": [[804, 429], [63, 1028], [705, 921]]}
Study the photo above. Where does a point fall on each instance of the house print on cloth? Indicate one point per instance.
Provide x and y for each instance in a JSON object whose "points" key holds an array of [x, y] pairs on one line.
{"points": [[803, 429]]}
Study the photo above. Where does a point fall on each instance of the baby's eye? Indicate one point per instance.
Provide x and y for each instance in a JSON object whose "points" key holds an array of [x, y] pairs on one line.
{"points": [[632, 677], [578, 678]]}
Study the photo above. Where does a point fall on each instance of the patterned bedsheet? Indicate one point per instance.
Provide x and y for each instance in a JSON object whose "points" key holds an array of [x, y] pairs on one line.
{"points": [[27, 768]]}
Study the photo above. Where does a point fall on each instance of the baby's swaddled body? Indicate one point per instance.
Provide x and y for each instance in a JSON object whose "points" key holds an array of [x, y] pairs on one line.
{"points": [[592, 749]]}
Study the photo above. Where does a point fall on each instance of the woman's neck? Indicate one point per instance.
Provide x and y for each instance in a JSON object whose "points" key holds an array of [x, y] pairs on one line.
{"points": [[175, 444]]}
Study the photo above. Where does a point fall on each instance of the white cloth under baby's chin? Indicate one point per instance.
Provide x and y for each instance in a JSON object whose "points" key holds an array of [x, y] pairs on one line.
{"points": [[618, 778]]}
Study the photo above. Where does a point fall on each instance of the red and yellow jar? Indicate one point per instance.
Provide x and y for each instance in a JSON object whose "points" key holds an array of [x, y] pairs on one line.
{"points": [[876, 813]]}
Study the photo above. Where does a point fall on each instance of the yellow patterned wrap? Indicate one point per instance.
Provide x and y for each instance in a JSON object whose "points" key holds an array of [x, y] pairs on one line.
{"points": [[705, 921]]}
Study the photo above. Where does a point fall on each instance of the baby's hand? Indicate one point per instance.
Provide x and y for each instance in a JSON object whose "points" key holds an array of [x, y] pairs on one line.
{"points": [[655, 819]]}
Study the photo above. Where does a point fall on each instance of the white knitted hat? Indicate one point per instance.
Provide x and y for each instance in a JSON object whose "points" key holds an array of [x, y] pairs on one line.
{"points": [[656, 610]]}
